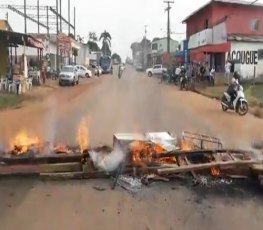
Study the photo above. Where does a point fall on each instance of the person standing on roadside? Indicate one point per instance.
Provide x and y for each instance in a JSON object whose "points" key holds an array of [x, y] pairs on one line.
{"points": [[227, 71]]}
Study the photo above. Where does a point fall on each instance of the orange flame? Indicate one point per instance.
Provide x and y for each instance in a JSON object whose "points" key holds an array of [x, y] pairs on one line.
{"points": [[23, 141], [215, 171], [142, 153], [186, 145], [83, 135]]}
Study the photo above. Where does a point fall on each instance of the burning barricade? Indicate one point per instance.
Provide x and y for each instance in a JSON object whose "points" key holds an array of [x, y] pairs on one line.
{"points": [[134, 157]]}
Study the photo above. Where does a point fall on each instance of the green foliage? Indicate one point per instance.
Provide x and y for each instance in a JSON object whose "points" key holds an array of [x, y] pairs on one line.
{"points": [[117, 57], [8, 100], [106, 42]]}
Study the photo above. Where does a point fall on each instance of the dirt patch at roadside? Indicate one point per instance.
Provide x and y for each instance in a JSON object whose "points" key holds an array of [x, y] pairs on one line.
{"points": [[38, 108]]}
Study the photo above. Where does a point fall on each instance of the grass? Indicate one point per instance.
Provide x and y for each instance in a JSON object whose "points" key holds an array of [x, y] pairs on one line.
{"points": [[9, 100]]}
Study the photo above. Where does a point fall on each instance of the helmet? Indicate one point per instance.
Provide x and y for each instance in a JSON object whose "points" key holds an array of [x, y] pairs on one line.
{"points": [[234, 81], [236, 75]]}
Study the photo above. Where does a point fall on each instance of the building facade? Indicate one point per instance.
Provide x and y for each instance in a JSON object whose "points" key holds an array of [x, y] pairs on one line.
{"points": [[159, 49], [225, 30]]}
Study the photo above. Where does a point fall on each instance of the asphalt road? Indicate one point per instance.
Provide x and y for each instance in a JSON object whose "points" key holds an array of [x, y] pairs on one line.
{"points": [[134, 103]]}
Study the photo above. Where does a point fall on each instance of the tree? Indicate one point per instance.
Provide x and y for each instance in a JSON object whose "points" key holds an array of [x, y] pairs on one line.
{"points": [[80, 39], [71, 36], [93, 37], [93, 46], [92, 43], [116, 57], [106, 42]]}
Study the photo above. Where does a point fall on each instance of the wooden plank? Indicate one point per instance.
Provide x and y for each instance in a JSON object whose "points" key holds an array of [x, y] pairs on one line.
{"points": [[257, 167], [42, 168], [204, 166], [19, 169], [64, 167], [43, 159], [177, 153], [189, 164]]}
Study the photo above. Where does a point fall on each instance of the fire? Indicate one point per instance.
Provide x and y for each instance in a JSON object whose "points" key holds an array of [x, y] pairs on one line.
{"points": [[142, 153], [186, 145], [215, 171], [83, 135], [23, 141]]}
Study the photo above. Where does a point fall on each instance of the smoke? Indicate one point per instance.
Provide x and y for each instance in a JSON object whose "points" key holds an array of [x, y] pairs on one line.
{"points": [[108, 162], [51, 121]]}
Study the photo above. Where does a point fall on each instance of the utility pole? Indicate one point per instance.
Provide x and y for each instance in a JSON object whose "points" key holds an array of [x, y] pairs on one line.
{"points": [[38, 26], [6, 16], [145, 30], [47, 21], [144, 48], [68, 16], [57, 64], [75, 22], [60, 12], [168, 24], [25, 16]]}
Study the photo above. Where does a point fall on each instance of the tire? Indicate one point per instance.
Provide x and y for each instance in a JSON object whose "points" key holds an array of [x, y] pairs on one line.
{"points": [[87, 75], [150, 74], [224, 108], [59, 83], [73, 82], [242, 110], [77, 82]]}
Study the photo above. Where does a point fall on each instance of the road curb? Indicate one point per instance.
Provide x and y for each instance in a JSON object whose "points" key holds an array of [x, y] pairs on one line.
{"points": [[206, 95]]}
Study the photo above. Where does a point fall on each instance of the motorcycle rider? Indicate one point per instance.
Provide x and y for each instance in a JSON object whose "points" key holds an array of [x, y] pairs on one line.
{"points": [[233, 86], [177, 72], [119, 71]]}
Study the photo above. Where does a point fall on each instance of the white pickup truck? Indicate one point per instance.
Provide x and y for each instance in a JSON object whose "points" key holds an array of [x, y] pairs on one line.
{"points": [[155, 70]]}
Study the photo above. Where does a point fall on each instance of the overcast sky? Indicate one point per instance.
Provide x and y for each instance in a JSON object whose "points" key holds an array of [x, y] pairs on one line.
{"points": [[124, 19]]}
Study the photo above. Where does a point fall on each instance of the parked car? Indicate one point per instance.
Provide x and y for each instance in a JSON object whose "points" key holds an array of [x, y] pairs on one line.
{"points": [[155, 70], [139, 67], [82, 71], [68, 76]]}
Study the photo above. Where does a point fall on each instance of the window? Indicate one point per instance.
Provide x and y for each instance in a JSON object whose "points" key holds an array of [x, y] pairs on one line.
{"points": [[206, 24], [157, 67], [154, 46], [254, 24], [260, 54]]}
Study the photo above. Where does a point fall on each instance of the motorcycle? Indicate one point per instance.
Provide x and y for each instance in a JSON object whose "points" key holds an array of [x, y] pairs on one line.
{"points": [[120, 73], [239, 104]]}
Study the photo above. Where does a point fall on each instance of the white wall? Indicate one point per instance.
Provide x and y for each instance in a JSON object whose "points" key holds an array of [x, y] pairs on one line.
{"points": [[49, 48], [247, 54], [83, 55]]}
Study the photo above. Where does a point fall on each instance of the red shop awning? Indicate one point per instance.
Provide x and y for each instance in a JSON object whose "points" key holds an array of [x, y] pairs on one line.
{"points": [[35, 43], [199, 53], [219, 48]]}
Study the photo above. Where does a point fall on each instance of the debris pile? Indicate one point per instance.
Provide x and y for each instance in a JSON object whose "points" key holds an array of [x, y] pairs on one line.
{"points": [[135, 159]]}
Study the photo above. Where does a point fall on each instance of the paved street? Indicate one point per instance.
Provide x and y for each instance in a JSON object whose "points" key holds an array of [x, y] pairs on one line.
{"points": [[134, 103]]}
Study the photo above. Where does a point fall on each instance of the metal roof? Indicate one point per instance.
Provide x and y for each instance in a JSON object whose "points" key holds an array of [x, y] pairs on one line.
{"points": [[237, 2], [14, 39]]}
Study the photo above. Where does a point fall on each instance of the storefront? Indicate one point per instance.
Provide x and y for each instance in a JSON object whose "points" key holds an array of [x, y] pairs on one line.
{"points": [[244, 58], [9, 42]]}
